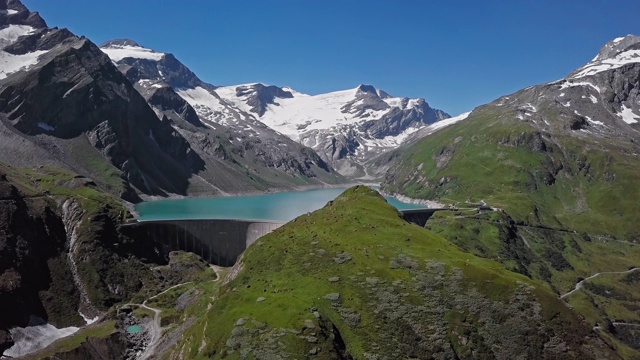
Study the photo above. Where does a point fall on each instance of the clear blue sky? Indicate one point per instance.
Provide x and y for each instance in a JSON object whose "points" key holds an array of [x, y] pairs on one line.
{"points": [[455, 54]]}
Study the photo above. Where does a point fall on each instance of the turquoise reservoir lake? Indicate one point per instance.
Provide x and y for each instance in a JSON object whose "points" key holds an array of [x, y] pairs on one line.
{"points": [[280, 207]]}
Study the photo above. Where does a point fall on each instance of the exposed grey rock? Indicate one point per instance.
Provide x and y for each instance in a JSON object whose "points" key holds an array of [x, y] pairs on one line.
{"points": [[342, 258], [335, 297]]}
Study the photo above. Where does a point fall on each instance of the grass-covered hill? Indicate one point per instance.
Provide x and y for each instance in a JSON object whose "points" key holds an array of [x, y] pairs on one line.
{"points": [[355, 281], [560, 161]]}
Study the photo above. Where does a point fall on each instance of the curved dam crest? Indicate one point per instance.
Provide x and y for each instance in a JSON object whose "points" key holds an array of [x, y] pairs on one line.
{"points": [[220, 229]]}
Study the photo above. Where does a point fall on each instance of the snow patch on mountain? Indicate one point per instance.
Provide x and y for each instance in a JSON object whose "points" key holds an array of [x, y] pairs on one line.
{"points": [[627, 115], [597, 66], [119, 52], [10, 63], [569, 83], [305, 112], [448, 122], [209, 107], [11, 33]]}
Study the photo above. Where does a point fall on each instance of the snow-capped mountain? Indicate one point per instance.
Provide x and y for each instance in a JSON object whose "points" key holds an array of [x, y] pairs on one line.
{"points": [[199, 114], [345, 127], [15, 22], [601, 98]]}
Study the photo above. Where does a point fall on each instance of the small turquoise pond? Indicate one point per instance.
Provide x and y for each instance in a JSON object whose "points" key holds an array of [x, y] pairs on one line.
{"points": [[134, 329]]}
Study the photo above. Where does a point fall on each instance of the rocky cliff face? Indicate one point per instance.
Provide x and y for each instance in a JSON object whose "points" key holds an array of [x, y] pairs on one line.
{"points": [[62, 254], [71, 96], [34, 276]]}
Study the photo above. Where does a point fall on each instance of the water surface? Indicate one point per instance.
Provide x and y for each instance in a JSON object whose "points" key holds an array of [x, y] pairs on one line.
{"points": [[134, 329], [281, 207]]}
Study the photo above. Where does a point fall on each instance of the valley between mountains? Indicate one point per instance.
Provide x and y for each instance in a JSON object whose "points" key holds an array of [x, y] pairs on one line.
{"points": [[531, 252]]}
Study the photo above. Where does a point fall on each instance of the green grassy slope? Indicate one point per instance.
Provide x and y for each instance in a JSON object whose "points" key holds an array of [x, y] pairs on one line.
{"points": [[539, 178], [354, 280], [569, 203]]}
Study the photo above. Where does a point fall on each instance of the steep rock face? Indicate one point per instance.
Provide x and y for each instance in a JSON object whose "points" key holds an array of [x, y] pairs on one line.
{"points": [[259, 96], [34, 274], [71, 94], [346, 128], [62, 253], [250, 151]]}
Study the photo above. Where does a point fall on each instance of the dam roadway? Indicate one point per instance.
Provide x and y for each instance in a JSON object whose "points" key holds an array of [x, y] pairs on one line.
{"points": [[222, 241]]}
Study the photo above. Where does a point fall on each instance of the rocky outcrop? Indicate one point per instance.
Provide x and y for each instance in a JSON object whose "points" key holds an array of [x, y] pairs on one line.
{"points": [[260, 96], [34, 275]]}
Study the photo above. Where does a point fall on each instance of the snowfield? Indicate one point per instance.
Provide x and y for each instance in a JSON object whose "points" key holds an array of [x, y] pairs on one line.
{"points": [[119, 52], [597, 65]]}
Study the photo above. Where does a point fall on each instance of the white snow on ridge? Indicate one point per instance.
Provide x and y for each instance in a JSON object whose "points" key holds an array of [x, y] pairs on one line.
{"points": [[595, 122], [10, 63], [300, 114], [569, 83], [11, 33], [8, 12], [229, 94], [206, 105], [389, 141], [597, 66], [628, 115], [450, 121], [119, 52], [303, 113]]}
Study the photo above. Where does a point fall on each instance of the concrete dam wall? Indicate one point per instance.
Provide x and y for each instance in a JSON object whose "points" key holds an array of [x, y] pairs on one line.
{"points": [[221, 242], [218, 242], [419, 216]]}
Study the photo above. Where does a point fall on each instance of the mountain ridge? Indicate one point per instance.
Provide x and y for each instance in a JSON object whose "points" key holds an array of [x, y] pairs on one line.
{"points": [[346, 128]]}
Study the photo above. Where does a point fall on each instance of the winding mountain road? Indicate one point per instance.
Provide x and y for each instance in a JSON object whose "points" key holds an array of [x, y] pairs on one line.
{"points": [[580, 283], [154, 327]]}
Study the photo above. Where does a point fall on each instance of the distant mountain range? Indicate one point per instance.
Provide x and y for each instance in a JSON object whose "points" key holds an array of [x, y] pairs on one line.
{"points": [[346, 128], [63, 103]]}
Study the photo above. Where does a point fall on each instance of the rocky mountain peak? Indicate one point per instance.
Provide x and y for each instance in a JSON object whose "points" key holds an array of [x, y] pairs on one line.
{"points": [[148, 64], [120, 43], [362, 88], [383, 94], [13, 12], [259, 96], [616, 53], [617, 46]]}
